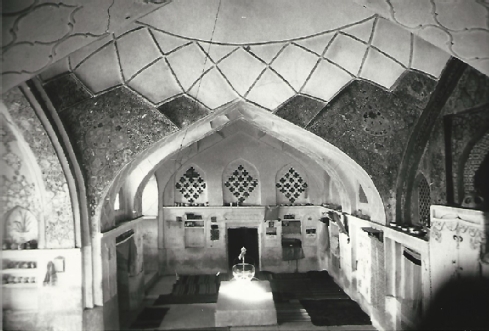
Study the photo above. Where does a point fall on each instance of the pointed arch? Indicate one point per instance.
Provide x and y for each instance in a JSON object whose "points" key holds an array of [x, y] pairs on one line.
{"points": [[472, 159], [344, 172]]}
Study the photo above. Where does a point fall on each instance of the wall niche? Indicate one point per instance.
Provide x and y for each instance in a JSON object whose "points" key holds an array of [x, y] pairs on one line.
{"points": [[21, 203], [240, 184], [21, 229]]}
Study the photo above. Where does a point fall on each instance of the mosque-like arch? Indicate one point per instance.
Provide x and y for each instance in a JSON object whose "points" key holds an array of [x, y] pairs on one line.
{"points": [[340, 167]]}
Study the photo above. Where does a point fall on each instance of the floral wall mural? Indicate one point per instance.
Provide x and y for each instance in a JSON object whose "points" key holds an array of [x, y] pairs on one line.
{"points": [[21, 203], [36, 183]]}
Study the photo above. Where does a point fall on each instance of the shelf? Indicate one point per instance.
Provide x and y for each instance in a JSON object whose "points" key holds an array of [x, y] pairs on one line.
{"points": [[18, 270], [20, 285]]}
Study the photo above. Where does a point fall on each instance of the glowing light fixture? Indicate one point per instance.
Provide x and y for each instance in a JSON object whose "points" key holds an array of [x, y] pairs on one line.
{"points": [[243, 271]]}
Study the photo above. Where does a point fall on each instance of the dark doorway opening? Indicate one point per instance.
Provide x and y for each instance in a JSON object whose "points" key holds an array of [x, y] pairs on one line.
{"points": [[243, 237]]}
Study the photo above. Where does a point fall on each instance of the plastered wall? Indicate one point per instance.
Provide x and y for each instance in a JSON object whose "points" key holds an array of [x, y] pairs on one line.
{"points": [[211, 255], [267, 160], [215, 165]]}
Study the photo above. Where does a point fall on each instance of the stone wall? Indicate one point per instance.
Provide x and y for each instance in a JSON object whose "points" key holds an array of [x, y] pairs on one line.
{"points": [[210, 255]]}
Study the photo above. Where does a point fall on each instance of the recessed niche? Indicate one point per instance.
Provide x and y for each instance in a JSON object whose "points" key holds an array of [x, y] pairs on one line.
{"points": [[291, 185], [240, 184], [190, 186]]}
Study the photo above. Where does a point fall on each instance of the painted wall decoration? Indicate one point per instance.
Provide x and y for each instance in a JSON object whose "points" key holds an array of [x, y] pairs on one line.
{"points": [[471, 92], [342, 123], [466, 107], [21, 226], [21, 201], [107, 132], [53, 205]]}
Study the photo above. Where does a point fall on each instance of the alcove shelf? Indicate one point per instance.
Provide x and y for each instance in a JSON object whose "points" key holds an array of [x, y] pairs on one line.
{"points": [[20, 269], [23, 271]]}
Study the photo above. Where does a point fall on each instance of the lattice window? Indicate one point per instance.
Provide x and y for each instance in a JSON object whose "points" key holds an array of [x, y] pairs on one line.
{"points": [[191, 185], [241, 183], [291, 185], [424, 200]]}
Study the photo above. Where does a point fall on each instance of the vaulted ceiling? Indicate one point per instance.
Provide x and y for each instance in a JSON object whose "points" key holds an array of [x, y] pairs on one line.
{"points": [[217, 51], [359, 74]]}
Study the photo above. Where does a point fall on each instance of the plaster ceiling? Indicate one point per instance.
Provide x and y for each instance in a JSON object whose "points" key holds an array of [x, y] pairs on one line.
{"points": [[37, 33], [263, 52], [461, 28]]}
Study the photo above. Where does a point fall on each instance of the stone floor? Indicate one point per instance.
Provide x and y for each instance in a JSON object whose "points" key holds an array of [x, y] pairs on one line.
{"points": [[201, 316]]}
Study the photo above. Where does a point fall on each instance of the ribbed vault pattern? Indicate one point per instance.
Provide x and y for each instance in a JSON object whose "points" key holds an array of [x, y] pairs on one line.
{"points": [[161, 66]]}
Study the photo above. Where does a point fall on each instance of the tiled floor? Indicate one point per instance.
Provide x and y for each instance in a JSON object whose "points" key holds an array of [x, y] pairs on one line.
{"points": [[201, 316]]}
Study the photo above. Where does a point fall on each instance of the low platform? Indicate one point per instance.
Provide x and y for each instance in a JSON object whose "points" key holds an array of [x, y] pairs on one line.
{"points": [[245, 304]]}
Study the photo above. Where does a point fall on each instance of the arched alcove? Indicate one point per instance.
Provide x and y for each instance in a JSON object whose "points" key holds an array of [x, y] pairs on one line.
{"points": [[240, 183], [474, 168], [171, 157], [190, 186], [471, 160], [292, 185], [22, 206], [344, 173]]}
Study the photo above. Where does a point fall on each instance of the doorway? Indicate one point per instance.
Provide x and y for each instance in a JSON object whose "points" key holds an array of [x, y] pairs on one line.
{"points": [[243, 237]]}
